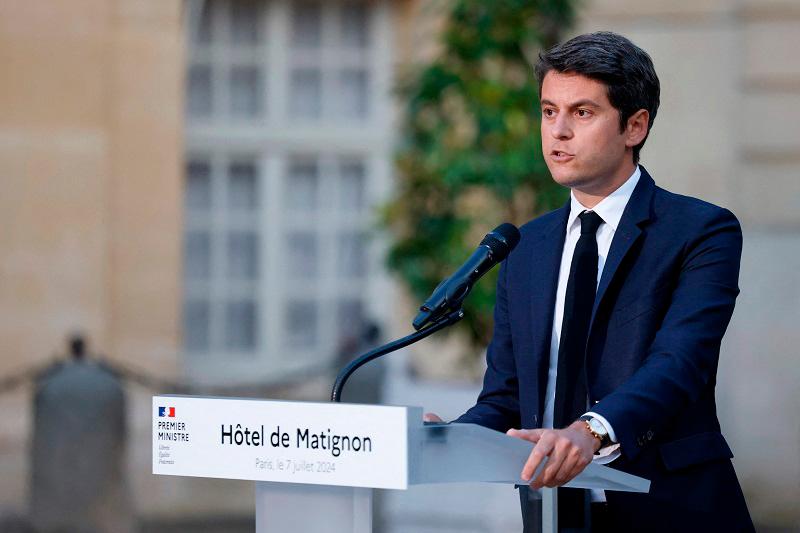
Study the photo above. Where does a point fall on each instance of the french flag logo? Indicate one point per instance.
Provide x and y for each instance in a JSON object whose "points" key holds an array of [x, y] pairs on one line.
{"points": [[166, 411]]}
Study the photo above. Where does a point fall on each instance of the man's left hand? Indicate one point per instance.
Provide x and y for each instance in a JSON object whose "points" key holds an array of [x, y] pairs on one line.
{"points": [[568, 450]]}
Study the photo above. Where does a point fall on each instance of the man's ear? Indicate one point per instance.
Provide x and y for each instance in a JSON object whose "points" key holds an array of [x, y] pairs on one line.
{"points": [[637, 127]]}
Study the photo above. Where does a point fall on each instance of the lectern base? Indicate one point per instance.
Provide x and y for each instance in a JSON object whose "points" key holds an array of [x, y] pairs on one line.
{"points": [[283, 507]]}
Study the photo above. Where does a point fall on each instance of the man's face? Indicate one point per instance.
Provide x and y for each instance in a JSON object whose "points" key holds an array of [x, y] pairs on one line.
{"points": [[581, 139]]}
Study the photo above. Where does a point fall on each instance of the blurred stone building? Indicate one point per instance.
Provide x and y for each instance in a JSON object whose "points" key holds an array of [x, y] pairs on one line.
{"points": [[192, 184]]}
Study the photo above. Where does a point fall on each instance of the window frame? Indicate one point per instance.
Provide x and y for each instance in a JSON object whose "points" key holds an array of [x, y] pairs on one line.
{"points": [[274, 138]]}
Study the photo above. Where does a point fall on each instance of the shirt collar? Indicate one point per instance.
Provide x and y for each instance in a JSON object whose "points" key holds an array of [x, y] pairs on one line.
{"points": [[611, 207]]}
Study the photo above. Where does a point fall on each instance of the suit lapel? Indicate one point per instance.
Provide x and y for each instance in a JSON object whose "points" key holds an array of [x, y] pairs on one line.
{"points": [[545, 266], [628, 232]]}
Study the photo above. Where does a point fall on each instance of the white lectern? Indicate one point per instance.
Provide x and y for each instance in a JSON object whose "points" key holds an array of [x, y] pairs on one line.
{"points": [[315, 464]]}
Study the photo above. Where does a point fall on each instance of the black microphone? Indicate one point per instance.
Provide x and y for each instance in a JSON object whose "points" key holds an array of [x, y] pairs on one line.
{"points": [[448, 296]]}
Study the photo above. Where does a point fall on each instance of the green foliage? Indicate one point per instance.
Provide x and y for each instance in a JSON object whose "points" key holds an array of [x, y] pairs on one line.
{"points": [[471, 151]]}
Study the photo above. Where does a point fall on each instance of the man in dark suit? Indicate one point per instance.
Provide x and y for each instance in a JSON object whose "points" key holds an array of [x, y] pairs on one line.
{"points": [[611, 310]]}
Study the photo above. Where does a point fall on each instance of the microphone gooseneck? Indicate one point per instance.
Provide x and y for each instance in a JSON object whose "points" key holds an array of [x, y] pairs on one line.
{"points": [[443, 307], [355, 364]]}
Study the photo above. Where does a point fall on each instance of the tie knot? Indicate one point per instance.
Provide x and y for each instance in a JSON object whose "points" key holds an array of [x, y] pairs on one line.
{"points": [[590, 221]]}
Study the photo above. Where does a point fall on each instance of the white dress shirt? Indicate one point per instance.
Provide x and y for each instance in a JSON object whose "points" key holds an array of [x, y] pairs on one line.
{"points": [[610, 210]]}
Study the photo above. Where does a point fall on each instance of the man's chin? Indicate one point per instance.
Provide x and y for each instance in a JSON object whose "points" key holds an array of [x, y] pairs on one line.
{"points": [[566, 178]]}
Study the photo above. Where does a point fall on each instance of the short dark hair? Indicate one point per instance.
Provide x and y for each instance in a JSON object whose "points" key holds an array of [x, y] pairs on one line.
{"points": [[625, 69]]}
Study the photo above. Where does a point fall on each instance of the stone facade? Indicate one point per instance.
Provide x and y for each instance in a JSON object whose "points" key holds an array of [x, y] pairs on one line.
{"points": [[90, 195], [91, 155]]}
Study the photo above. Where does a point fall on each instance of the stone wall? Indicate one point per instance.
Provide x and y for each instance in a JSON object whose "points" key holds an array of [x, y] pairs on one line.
{"points": [[91, 111]]}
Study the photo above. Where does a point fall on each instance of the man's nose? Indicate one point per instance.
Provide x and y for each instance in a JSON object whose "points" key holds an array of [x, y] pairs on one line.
{"points": [[561, 129]]}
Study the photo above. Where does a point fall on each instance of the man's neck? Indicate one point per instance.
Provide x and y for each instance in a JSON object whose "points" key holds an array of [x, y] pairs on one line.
{"points": [[591, 196]]}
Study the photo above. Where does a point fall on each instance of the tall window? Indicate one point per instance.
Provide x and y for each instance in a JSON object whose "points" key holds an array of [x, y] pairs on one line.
{"points": [[222, 255], [288, 151]]}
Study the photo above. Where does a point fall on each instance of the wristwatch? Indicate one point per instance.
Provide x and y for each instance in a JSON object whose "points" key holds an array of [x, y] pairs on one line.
{"points": [[597, 429]]}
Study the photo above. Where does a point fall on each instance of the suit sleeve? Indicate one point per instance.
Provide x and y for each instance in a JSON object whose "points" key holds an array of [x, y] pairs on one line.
{"points": [[683, 356], [497, 406]]}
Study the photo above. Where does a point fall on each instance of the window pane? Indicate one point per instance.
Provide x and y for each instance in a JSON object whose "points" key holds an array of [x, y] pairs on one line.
{"points": [[245, 18], [202, 17], [240, 325], [351, 186], [354, 25], [302, 184], [203, 28], [198, 186], [196, 321], [354, 95], [302, 255], [242, 186], [350, 317], [197, 255], [245, 89], [352, 255], [307, 24], [301, 324], [306, 93], [243, 255], [200, 91]]}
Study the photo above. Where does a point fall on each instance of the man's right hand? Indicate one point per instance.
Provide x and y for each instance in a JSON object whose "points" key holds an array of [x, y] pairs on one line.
{"points": [[431, 417], [568, 452]]}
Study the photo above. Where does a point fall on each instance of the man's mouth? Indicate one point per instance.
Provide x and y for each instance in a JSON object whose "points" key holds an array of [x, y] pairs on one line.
{"points": [[560, 155]]}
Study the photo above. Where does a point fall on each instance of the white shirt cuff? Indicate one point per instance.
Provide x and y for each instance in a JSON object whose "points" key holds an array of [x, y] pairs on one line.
{"points": [[607, 454]]}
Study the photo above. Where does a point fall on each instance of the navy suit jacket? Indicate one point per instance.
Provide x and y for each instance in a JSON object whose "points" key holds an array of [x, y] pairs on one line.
{"points": [[663, 303]]}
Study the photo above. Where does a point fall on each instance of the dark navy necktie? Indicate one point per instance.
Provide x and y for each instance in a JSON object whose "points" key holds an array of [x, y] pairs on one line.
{"points": [[571, 391], [571, 387]]}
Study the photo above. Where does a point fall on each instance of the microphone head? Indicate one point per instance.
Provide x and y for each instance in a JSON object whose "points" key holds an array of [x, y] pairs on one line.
{"points": [[501, 240]]}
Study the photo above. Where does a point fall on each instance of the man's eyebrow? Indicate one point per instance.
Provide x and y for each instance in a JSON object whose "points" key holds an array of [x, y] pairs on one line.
{"points": [[585, 103], [580, 103]]}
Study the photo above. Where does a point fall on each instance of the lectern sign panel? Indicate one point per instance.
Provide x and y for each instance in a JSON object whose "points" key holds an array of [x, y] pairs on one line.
{"points": [[293, 442]]}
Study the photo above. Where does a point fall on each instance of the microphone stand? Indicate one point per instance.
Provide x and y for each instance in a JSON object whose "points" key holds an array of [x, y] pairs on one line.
{"points": [[441, 323]]}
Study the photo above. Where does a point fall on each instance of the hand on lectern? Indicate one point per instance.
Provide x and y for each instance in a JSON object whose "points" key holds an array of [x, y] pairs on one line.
{"points": [[431, 417], [568, 452]]}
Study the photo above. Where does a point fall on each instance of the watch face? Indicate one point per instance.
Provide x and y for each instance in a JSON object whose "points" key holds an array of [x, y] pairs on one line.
{"points": [[598, 427]]}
